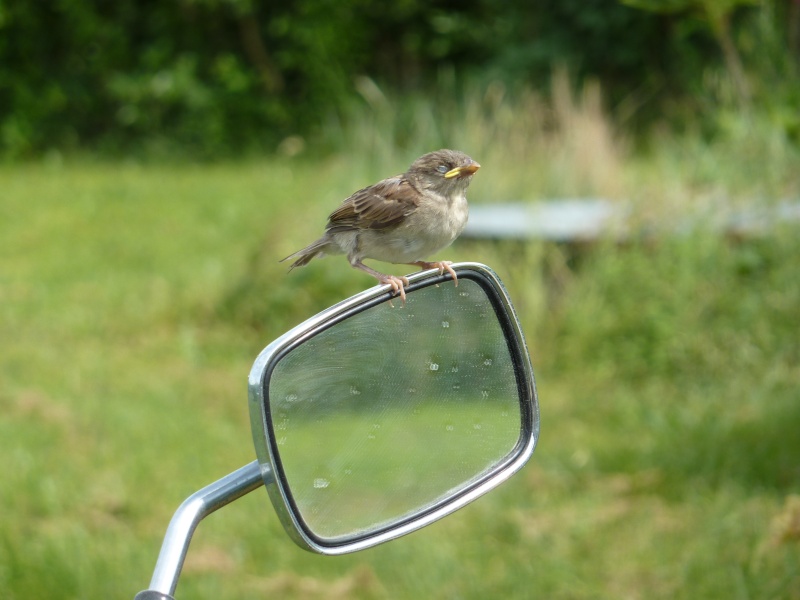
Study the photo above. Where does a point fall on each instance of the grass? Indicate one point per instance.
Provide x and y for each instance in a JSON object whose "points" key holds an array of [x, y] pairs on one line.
{"points": [[134, 299]]}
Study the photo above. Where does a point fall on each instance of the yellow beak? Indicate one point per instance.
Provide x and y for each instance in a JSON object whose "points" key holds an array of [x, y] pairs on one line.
{"points": [[462, 171]]}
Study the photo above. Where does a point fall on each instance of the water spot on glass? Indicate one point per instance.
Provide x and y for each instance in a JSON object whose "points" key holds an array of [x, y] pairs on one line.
{"points": [[354, 391], [320, 483], [433, 366]]}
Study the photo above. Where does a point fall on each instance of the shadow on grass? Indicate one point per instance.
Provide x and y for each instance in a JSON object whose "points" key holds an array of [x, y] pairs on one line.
{"points": [[686, 351], [269, 299], [758, 451]]}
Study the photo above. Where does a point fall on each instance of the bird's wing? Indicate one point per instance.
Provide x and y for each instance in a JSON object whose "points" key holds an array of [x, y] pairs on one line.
{"points": [[375, 207]]}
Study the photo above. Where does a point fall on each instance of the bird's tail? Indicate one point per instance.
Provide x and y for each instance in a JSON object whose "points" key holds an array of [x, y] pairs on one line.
{"points": [[305, 255]]}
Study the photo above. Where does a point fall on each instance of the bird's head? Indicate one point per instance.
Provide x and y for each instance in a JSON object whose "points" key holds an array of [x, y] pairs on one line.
{"points": [[443, 171]]}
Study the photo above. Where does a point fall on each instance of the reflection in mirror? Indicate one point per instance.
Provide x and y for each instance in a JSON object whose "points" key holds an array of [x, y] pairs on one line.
{"points": [[393, 409]]}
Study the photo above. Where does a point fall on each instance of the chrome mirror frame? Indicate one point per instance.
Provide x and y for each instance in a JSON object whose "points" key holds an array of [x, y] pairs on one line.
{"points": [[265, 440]]}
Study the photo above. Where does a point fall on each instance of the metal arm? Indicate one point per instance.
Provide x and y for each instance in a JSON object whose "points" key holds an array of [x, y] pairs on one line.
{"points": [[189, 514]]}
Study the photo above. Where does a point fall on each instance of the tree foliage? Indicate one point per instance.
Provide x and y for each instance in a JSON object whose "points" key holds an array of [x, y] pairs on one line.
{"points": [[218, 77]]}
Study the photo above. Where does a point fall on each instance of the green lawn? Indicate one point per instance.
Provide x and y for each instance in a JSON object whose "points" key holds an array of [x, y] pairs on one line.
{"points": [[133, 301]]}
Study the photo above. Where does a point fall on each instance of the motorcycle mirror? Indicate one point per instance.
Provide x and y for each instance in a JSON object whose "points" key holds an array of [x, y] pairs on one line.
{"points": [[376, 418]]}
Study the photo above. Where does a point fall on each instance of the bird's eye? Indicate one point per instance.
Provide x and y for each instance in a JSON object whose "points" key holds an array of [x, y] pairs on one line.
{"points": [[442, 169]]}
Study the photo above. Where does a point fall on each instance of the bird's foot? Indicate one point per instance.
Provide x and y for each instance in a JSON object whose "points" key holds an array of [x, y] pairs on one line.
{"points": [[398, 285], [442, 266]]}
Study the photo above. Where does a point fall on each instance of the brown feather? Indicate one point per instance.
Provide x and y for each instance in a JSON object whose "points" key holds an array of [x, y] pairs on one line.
{"points": [[378, 206]]}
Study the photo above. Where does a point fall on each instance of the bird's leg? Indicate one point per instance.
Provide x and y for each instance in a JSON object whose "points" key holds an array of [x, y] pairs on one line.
{"points": [[443, 266], [398, 283]]}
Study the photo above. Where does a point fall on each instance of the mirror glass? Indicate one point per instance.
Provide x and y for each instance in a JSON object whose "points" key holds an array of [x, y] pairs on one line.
{"points": [[382, 415]]}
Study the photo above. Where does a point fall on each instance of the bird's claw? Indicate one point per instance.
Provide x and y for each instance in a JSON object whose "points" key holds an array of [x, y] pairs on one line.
{"points": [[442, 266], [398, 285], [445, 266]]}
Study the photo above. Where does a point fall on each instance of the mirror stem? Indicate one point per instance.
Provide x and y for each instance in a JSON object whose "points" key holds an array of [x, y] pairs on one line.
{"points": [[189, 514]]}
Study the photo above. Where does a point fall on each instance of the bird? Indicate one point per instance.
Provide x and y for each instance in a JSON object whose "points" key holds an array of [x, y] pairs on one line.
{"points": [[401, 219]]}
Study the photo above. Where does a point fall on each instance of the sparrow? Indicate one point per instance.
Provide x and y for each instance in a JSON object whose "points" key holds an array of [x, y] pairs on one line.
{"points": [[401, 220]]}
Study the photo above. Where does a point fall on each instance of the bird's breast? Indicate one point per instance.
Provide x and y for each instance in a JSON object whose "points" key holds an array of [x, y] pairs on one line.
{"points": [[430, 228]]}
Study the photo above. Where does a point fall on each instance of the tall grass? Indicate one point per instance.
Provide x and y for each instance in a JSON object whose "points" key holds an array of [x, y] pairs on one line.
{"points": [[535, 145], [568, 142], [134, 299]]}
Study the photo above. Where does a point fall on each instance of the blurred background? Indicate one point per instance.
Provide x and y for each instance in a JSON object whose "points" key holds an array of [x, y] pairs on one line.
{"points": [[158, 158]]}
